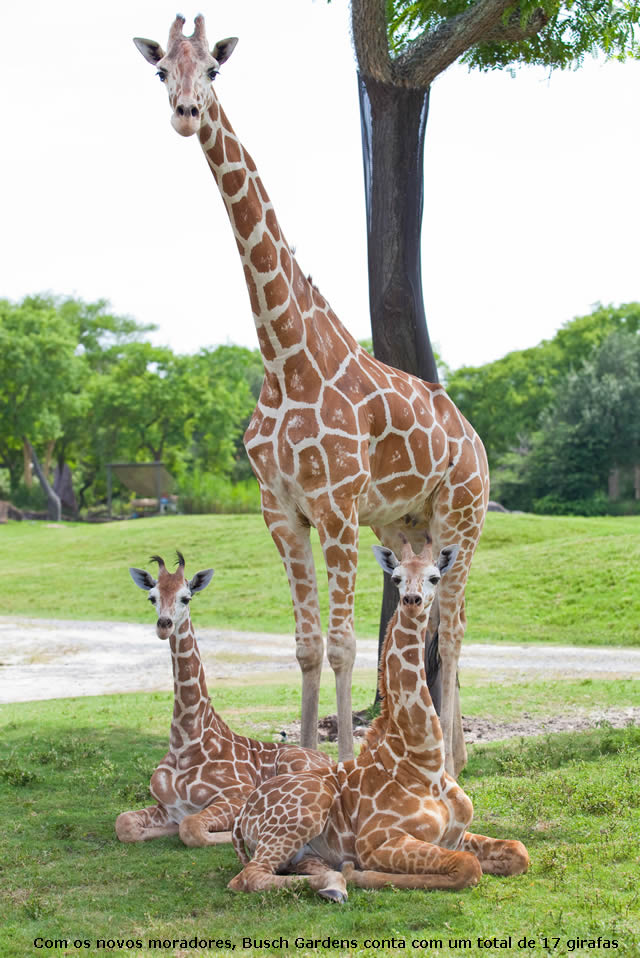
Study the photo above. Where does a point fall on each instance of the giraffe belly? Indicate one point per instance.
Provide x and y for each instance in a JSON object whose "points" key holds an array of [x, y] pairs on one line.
{"points": [[403, 499]]}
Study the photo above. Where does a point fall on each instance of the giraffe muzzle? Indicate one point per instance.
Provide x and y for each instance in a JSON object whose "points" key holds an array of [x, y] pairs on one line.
{"points": [[163, 627], [186, 118]]}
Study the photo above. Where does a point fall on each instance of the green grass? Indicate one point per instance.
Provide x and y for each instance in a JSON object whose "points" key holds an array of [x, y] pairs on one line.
{"points": [[508, 702], [534, 578], [68, 767]]}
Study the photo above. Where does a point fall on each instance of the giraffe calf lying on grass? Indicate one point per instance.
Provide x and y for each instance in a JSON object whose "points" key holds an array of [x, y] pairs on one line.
{"points": [[392, 816], [208, 773]]}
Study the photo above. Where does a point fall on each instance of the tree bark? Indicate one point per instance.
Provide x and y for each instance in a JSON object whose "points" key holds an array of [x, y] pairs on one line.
{"points": [[26, 455], [63, 488], [393, 123], [53, 501], [48, 457]]}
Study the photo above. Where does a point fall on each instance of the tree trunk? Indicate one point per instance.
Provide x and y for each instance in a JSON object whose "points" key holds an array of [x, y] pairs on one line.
{"points": [[26, 455], [48, 457], [393, 122], [53, 501], [63, 488], [614, 483]]}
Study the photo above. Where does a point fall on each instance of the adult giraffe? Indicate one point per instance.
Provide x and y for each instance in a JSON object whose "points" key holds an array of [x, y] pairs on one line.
{"points": [[337, 438]]}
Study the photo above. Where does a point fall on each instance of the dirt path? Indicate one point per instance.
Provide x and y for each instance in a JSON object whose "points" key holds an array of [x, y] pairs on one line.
{"points": [[44, 659]]}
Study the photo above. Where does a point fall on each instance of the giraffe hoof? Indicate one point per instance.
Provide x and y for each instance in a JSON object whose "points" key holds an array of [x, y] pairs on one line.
{"points": [[334, 894]]}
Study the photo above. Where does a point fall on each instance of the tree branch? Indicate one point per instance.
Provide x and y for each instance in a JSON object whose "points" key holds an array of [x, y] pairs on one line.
{"points": [[513, 31], [437, 49], [369, 32], [54, 506]]}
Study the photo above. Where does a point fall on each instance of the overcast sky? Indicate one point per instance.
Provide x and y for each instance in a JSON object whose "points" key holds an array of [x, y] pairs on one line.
{"points": [[532, 207]]}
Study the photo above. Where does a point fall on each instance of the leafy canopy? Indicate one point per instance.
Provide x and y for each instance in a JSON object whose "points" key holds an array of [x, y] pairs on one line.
{"points": [[572, 30], [505, 399]]}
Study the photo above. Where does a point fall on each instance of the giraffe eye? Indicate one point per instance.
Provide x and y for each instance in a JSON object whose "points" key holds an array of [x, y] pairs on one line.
{"points": [[434, 579], [395, 579], [212, 73], [152, 599], [162, 74], [185, 599]]}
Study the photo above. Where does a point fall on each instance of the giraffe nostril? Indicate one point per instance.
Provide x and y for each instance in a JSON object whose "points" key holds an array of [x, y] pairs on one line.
{"points": [[412, 599], [180, 111], [164, 623], [194, 111]]}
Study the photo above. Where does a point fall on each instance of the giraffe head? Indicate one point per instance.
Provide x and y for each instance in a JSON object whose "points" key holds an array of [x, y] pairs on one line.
{"points": [[416, 576], [171, 593], [188, 70]]}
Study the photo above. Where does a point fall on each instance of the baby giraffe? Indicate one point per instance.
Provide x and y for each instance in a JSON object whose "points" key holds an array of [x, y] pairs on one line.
{"points": [[393, 815], [208, 773]]}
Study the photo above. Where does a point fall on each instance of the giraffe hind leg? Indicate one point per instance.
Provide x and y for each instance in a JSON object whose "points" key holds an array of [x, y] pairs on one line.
{"points": [[407, 862], [497, 856]]}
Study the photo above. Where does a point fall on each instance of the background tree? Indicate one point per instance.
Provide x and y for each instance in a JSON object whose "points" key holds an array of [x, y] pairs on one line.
{"points": [[401, 47], [507, 398], [592, 427], [229, 383], [41, 379], [101, 336]]}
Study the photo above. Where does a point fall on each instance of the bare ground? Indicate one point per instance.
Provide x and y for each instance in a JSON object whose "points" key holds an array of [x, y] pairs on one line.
{"points": [[42, 659], [478, 730]]}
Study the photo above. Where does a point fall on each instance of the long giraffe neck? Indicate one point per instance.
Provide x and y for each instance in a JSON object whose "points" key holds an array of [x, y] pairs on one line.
{"points": [[283, 300], [408, 728], [192, 709]]}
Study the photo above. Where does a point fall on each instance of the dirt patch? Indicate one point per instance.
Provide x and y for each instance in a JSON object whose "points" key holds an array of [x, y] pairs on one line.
{"points": [[485, 730]]}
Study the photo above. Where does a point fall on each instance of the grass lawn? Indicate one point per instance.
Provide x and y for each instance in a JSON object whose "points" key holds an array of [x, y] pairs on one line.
{"points": [[68, 767], [534, 578]]}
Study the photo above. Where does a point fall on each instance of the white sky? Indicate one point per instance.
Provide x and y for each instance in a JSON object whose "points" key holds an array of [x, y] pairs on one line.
{"points": [[532, 210]]}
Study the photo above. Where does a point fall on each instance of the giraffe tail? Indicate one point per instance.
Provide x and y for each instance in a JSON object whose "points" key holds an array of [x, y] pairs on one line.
{"points": [[434, 675], [238, 840]]}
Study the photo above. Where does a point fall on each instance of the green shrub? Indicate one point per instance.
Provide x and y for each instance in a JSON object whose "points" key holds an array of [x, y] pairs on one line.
{"points": [[30, 497], [201, 492], [597, 505]]}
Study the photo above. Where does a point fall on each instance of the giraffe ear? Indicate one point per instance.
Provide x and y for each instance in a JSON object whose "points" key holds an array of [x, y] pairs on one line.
{"points": [[223, 49], [386, 559], [447, 557], [142, 579], [150, 50], [200, 580]]}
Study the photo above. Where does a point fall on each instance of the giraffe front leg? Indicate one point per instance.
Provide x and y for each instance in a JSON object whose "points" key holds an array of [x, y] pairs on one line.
{"points": [[497, 856], [146, 823], [338, 532], [212, 825], [280, 818], [407, 862], [260, 876], [294, 545]]}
